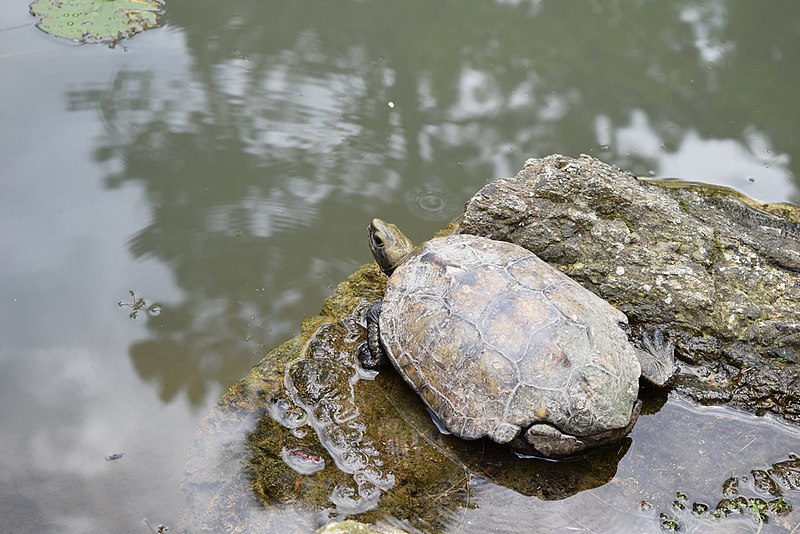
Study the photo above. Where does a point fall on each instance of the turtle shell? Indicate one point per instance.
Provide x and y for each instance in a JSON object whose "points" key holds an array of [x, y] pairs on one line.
{"points": [[495, 340]]}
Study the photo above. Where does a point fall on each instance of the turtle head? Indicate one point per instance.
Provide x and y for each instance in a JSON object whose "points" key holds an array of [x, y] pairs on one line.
{"points": [[388, 244]]}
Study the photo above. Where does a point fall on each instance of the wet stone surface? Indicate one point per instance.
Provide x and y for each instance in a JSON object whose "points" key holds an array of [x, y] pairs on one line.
{"points": [[321, 384]]}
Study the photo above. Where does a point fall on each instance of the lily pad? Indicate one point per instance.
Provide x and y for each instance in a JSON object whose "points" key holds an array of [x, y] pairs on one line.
{"points": [[96, 20]]}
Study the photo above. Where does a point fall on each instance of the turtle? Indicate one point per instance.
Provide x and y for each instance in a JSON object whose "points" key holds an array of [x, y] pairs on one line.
{"points": [[500, 344]]}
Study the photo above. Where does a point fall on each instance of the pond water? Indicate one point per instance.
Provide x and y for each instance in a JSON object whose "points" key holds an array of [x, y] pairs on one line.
{"points": [[224, 166]]}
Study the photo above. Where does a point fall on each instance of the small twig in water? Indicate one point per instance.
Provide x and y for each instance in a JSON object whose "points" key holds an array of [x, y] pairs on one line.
{"points": [[751, 442], [9, 28]]}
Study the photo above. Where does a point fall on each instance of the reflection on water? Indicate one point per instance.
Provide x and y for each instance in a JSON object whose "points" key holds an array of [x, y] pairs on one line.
{"points": [[682, 446], [226, 164], [259, 152]]}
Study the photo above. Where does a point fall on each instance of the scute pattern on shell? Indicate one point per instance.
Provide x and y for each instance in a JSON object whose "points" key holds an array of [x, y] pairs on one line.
{"points": [[495, 339]]}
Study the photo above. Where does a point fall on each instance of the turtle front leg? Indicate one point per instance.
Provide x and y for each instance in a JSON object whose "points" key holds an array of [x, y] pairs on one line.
{"points": [[371, 353]]}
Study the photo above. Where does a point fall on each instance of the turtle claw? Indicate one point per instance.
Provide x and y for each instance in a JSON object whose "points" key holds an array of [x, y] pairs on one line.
{"points": [[368, 360]]}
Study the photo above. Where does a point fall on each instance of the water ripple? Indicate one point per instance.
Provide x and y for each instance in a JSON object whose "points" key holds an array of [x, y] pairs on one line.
{"points": [[432, 202]]}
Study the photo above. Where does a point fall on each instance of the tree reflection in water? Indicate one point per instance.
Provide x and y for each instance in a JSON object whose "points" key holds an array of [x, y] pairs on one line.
{"points": [[264, 158]]}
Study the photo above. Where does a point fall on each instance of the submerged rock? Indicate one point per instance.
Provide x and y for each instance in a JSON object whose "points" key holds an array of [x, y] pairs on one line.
{"points": [[715, 270]]}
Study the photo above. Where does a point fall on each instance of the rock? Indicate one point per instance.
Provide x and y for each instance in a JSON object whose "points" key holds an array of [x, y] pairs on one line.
{"points": [[716, 271]]}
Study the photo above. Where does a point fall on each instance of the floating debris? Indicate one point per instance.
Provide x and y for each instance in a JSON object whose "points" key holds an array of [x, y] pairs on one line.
{"points": [[96, 21], [139, 304], [160, 529]]}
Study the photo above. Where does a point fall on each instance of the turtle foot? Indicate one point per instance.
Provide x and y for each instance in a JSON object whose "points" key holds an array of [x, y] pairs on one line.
{"points": [[657, 358], [370, 353]]}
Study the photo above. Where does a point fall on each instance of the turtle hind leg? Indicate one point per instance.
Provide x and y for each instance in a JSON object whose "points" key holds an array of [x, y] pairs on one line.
{"points": [[371, 353], [656, 358]]}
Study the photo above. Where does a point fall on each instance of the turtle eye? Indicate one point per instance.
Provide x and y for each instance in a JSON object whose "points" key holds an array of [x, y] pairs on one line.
{"points": [[377, 240]]}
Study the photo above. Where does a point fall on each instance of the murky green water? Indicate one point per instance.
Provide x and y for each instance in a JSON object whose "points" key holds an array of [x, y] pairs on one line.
{"points": [[224, 168]]}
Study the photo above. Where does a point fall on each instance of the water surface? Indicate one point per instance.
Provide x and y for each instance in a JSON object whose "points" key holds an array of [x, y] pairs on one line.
{"points": [[224, 167]]}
